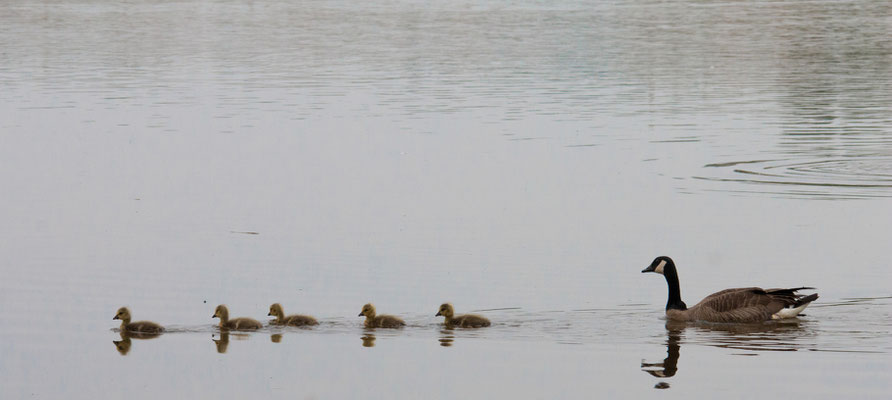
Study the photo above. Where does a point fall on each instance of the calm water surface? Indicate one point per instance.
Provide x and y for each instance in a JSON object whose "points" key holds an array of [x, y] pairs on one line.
{"points": [[524, 160]]}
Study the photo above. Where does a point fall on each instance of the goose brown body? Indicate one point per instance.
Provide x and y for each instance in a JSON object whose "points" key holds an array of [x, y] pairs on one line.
{"points": [[462, 320], [236, 323], [751, 304], [277, 311], [739, 305], [123, 314], [372, 320]]}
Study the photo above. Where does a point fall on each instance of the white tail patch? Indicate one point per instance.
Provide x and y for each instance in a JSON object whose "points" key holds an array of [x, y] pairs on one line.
{"points": [[789, 312], [659, 268]]}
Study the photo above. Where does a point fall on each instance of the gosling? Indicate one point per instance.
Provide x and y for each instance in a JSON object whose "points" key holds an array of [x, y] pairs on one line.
{"points": [[379, 321], [236, 323], [461, 321], [138, 326], [293, 320]]}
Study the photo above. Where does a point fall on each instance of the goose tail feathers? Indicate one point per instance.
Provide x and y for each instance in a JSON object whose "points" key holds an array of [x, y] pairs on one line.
{"points": [[796, 308]]}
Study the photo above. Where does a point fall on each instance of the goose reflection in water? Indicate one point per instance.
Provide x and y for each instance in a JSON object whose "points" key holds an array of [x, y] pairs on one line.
{"points": [[447, 337], [669, 366], [275, 338], [123, 345], [368, 339], [223, 342], [770, 336]]}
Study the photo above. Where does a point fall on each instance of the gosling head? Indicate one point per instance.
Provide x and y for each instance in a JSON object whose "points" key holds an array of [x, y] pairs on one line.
{"points": [[446, 310], [660, 265], [123, 314], [368, 310], [221, 312], [275, 310]]}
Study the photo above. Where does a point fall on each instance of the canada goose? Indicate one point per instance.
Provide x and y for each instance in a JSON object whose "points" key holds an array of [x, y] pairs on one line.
{"points": [[379, 321], [138, 326], [236, 323], [293, 320], [730, 305], [461, 321]]}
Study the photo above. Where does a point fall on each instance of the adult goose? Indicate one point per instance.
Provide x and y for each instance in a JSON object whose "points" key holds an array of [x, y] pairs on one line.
{"points": [[750, 304]]}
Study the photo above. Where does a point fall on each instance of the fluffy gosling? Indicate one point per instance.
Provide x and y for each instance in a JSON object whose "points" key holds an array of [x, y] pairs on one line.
{"points": [[138, 326], [379, 321], [276, 310], [461, 321], [236, 323]]}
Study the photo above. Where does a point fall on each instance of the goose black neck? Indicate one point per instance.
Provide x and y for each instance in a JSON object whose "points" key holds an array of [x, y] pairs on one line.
{"points": [[674, 302]]}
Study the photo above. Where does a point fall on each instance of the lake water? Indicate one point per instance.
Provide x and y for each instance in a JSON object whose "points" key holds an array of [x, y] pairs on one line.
{"points": [[524, 160]]}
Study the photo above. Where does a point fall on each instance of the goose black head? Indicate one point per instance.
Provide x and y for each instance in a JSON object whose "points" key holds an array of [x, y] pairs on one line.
{"points": [[659, 265]]}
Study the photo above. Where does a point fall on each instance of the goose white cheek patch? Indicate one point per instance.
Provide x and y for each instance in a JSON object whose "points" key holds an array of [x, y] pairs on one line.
{"points": [[659, 268]]}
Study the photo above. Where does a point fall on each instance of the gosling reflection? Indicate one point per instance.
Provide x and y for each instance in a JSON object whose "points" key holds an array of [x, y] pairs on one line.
{"points": [[368, 339], [276, 338], [223, 342], [123, 345], [446, 337]]}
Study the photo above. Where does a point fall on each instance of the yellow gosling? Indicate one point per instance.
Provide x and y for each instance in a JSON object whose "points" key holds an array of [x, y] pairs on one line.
{"points": [[276, 310], [236, 323], [138, 326], [461, 321], [379, 321]]}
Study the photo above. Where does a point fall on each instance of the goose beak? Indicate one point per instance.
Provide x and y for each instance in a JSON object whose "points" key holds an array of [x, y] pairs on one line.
{"points": [[116, 317], [657, 266], [360, 314], [270, 313], [438, 314]]}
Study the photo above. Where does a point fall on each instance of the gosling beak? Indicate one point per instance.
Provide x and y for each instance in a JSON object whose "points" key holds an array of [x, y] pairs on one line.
{"points": [[270, 313], [438, 314], [214, 316], [116, 317], [360, 314]]}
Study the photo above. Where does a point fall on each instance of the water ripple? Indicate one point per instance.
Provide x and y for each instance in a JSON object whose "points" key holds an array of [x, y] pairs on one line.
{"points": [[831, 178]]}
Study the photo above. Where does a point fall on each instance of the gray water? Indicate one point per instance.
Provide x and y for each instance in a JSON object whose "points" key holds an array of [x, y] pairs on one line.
{"points": [[523, 160]]}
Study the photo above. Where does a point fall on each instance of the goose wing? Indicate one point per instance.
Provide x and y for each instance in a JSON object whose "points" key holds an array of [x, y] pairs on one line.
{"points": [[740, 305], [789, 296]]}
